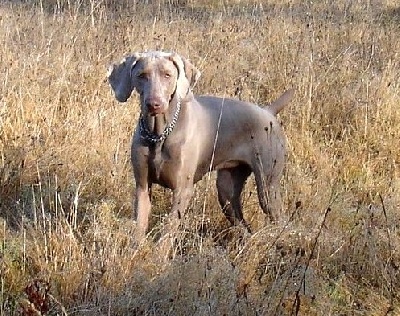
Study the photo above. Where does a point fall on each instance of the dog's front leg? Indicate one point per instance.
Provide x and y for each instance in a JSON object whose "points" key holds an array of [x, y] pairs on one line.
{"points": [[142, 204], [180, 200], [142, 208]]}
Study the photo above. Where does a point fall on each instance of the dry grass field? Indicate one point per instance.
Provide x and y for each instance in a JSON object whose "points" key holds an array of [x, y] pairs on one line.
{"points": [[66, 236]]}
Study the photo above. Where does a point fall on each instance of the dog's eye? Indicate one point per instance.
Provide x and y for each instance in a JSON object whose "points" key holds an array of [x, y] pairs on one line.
{"points": [[142, 75], [167, 75]]}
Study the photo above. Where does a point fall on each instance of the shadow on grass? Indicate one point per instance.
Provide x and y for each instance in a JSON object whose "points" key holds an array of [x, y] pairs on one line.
{"points": [[11, 183]]}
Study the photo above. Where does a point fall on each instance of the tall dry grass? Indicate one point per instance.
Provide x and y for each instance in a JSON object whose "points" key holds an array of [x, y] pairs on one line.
{"points": [[65, 177]]}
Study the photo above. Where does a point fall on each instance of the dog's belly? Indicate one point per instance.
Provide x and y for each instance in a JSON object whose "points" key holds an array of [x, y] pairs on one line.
{"points": [[203, 169], [168, 173]]}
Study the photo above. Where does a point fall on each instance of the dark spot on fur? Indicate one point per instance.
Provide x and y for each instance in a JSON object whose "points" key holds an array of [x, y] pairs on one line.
{"points": [[266, 128]]}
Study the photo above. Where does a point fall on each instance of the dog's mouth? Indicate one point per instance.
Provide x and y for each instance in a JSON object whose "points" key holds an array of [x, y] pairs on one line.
{"points": [[154, 124], [155, 111]]}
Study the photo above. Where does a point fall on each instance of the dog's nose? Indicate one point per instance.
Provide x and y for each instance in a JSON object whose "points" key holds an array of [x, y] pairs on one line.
{"points": [[153, 103]]}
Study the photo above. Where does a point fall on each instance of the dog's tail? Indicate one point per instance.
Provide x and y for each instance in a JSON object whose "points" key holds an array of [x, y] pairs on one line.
{"points": [[276, 106]]}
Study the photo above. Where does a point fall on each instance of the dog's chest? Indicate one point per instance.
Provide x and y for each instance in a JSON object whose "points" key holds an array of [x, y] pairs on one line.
{"points": [[164, 165]]}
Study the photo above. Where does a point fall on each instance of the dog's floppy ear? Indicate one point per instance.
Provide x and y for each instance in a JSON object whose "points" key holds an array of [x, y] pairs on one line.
{"points": [[119, 77], [191, 72], [187, 74]]}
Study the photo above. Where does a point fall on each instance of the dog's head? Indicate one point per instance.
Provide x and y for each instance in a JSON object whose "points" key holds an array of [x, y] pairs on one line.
{"points": [[158, 77]]}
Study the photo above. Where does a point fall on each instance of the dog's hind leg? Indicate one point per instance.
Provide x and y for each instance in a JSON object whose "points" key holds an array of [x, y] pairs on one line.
{"points": [[230, 183]]}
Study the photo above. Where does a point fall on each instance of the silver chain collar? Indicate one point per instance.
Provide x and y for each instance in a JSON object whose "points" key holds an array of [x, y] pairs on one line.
{"points": [[152, 138]]}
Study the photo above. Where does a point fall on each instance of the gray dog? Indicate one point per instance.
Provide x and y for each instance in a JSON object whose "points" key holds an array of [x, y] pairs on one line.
{"points": [[180, 137]]}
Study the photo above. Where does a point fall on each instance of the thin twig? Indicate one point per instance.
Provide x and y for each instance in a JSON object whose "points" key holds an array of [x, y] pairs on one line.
{"points": [[302, 285], [390, 308], [209, 171]]}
